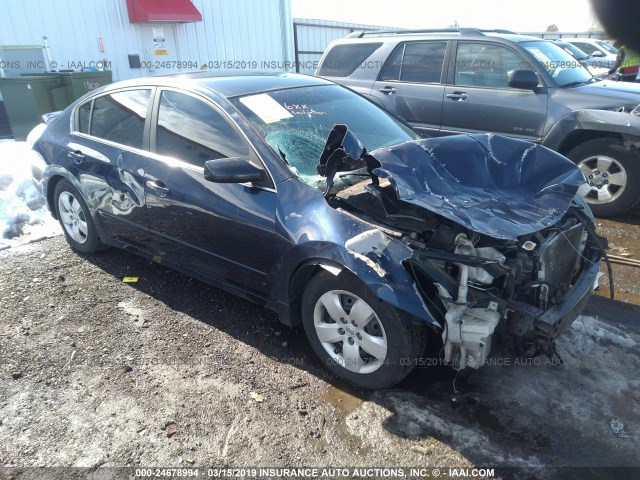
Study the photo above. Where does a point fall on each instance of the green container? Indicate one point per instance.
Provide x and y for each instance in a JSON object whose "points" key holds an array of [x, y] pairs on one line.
{"points": [[57, 90], [26, 99], [79, 83]]}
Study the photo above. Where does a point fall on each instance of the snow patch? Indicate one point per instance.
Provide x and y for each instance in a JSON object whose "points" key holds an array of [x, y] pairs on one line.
{"points": [[594, 331], [415, 418], [24, 215]]}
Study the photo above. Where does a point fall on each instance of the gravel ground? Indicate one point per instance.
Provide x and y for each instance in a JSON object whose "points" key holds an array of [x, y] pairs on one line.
{"points": [[622, 234], [95, 372]]}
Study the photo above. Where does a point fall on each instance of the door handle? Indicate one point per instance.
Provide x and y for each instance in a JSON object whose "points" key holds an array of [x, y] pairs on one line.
{"points": [[457, 96], [158, 187], [76, 155], [388, 90]]}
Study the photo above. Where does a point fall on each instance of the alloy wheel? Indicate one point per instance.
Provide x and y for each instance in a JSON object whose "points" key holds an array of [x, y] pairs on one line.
{"points": [[73, 217], [606, 179], [350, 331]]}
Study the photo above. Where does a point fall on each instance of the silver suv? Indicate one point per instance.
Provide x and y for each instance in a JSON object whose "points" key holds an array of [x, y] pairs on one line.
{"points": [[468, 80]]}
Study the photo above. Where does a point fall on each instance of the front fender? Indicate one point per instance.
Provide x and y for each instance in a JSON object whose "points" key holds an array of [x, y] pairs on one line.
{"points": [[384, 275], [621, 123], [319, 235]]}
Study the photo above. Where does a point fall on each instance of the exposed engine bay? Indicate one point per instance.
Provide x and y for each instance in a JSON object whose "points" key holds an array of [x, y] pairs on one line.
{"points": [[525, 283]]}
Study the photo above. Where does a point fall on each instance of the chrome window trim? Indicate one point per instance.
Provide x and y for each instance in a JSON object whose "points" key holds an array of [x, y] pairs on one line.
{"points": [[109, 143]]}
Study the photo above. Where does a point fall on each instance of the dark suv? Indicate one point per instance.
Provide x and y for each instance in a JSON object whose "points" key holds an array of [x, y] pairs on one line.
{"points": [[468, 80]]}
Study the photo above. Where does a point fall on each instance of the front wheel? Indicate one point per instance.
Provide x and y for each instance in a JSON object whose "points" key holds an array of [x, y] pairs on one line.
{"points": [[613, 175], [75, 218], [356, 335]]}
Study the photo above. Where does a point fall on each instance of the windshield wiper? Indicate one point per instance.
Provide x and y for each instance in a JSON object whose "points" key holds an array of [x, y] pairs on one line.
{"points": [[282, 155], [577, 82]]}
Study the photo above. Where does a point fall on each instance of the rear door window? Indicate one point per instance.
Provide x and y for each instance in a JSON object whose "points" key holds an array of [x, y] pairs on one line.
{"points": [[416, 62], [119, 117], [342, 60]]}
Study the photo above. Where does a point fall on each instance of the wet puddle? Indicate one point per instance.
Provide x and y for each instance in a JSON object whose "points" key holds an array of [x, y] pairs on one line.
{"points": [[344, 401]]}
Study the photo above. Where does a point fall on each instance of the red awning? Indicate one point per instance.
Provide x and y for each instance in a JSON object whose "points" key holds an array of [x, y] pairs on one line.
{"points": [[162, 11]]}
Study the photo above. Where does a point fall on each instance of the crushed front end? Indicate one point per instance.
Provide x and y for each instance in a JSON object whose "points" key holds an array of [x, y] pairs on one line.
{"points": [[502, 245], [529, 290]]}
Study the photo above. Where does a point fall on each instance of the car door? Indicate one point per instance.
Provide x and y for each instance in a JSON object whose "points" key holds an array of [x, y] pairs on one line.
{"points": [[410, 84], [108, 157], [478, 98], [225, 231]]}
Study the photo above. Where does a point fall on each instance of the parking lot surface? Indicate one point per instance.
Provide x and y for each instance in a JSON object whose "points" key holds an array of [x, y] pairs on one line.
{"points": [[167, 371], [623, 234]]}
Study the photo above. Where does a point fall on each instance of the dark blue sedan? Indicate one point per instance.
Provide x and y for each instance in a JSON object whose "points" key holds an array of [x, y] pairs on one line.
{"points": [[304, 197]]}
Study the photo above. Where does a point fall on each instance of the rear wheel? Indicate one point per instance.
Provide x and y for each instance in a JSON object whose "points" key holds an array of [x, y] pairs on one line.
{"points": [[613, 176], [356, 335], [75, 218]]}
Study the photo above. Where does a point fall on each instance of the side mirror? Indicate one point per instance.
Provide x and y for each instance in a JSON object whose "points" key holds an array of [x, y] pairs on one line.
{"points": [[232, 170], [597, 53], [523, 79]]}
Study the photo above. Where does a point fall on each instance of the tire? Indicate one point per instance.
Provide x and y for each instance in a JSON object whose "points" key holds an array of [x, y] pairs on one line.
{"points": [[382, 348], [75, 218], [613, 173]]}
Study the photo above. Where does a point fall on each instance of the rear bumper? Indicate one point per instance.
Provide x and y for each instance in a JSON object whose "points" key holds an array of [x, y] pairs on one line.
{"points": [[38, 166]]}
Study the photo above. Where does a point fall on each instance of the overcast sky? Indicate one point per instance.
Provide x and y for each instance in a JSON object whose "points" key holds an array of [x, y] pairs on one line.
{"points": [[569, 15]]}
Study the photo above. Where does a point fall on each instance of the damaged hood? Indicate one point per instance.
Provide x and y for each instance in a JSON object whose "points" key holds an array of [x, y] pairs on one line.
{"points": [[490, 184]]}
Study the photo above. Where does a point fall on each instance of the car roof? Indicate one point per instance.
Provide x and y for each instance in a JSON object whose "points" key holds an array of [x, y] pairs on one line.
{"points": [[439, 34], [517, 37], [227, 84], [584, 39]]}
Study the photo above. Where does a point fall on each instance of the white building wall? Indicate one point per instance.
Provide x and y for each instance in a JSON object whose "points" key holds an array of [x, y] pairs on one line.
{"points": [[231, 30], [239, 31], [313, 36]]}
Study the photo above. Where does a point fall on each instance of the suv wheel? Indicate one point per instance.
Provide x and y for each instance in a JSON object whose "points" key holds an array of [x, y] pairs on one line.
{"points": [[356, 335], [613, 175]]}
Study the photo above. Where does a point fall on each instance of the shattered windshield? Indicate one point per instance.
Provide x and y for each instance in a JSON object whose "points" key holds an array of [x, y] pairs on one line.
{"points": [[565, 69], [296, 123]]}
